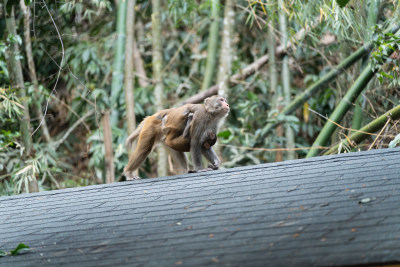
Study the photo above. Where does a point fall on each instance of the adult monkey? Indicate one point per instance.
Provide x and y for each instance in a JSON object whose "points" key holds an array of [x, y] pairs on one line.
{"points": [[192, 127]]}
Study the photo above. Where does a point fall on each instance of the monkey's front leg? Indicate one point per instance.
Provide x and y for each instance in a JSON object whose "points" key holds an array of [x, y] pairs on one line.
{"points": [[212, 157], [196, 152]]}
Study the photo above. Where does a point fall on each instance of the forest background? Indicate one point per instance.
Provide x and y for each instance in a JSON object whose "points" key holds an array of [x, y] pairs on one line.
{"points": [[303, 78]]}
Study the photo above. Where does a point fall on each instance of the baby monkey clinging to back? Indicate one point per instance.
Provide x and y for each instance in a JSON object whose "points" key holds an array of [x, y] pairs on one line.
{"points": [[192, 127]]}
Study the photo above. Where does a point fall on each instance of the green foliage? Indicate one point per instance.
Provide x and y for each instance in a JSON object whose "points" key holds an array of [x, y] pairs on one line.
{"points": [[386, 67], [3, 64], [10, 109], [9, 104], [342, 3], [88, 35], [395, 142], [97, 151], [10, 4], [182, 11], [20, 249], [81, 8], [42, 167]]}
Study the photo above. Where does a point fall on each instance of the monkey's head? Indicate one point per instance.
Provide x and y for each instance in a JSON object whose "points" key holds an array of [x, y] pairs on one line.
{"points": [[217, 105]]}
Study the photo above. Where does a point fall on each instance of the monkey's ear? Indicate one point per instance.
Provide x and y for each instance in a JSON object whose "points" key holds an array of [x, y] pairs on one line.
{"points": [[206, 100]]}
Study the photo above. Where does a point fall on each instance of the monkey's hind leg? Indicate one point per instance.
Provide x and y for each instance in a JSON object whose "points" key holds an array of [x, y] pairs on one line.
{"points": [[179, 159], [174, 138], [143, 148], [132, 137]]}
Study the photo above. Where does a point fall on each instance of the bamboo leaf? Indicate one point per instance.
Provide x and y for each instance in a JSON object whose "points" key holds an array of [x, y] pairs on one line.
{"points": [[306, 112], [20, 249], [342, 3]]}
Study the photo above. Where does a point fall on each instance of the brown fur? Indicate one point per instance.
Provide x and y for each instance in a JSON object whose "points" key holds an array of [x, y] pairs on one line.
{"points": [[192, 127], [203, 130]]}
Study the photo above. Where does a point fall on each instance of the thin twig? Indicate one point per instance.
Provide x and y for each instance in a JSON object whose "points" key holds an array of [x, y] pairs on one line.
{"points": [[59, 69], [254, 13], [59, 142], [342, 127], [376, 139], [70, 109], [191, 32]]}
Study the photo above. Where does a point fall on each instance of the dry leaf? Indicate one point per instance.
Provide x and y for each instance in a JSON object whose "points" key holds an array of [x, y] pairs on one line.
{"points": [[292, 189], [216, 260]]}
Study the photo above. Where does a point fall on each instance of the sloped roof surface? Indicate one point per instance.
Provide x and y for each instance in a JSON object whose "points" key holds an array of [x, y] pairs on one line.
{"points": [[335, 210]]}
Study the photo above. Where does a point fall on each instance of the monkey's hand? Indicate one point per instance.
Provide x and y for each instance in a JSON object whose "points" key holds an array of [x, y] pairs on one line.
{"points": [[210, 141], [213, 167]]}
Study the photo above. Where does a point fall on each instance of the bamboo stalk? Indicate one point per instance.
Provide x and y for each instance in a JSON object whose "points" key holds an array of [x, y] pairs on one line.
{"points": [[108, 145], [32, 71], [162, 156], [212, 45], [363, 133]]}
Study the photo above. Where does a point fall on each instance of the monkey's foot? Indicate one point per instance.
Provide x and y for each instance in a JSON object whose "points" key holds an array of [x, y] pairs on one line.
{"points": [[132, 177], [200, 170], [213, 167]]}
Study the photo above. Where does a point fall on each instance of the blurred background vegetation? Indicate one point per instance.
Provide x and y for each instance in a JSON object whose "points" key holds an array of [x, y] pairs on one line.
{"points": [[77, 76]]}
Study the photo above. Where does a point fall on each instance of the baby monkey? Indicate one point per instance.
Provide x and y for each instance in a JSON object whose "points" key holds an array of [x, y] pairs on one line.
{"points": [[192, 127]]}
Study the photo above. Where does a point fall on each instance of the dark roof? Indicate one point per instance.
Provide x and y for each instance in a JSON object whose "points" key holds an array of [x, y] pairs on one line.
{"points": [[335, 210]]}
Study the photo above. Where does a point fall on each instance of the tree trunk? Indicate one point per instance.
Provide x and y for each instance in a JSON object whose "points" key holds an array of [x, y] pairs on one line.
{"points": [[162, 160], [226, 54], [358, 114], [372, 19], [17, 81], [373, 14], [116, 89], [129, 76], [212, 45], [273, 78], [138, 63], [118, 66], [32, 71], [129, 67], [290, 143], [108, 145], [373, 126]]}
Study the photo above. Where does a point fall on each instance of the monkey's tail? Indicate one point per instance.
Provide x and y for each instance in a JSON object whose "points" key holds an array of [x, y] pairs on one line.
{"points": [[134, 135], [147, 139]]}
